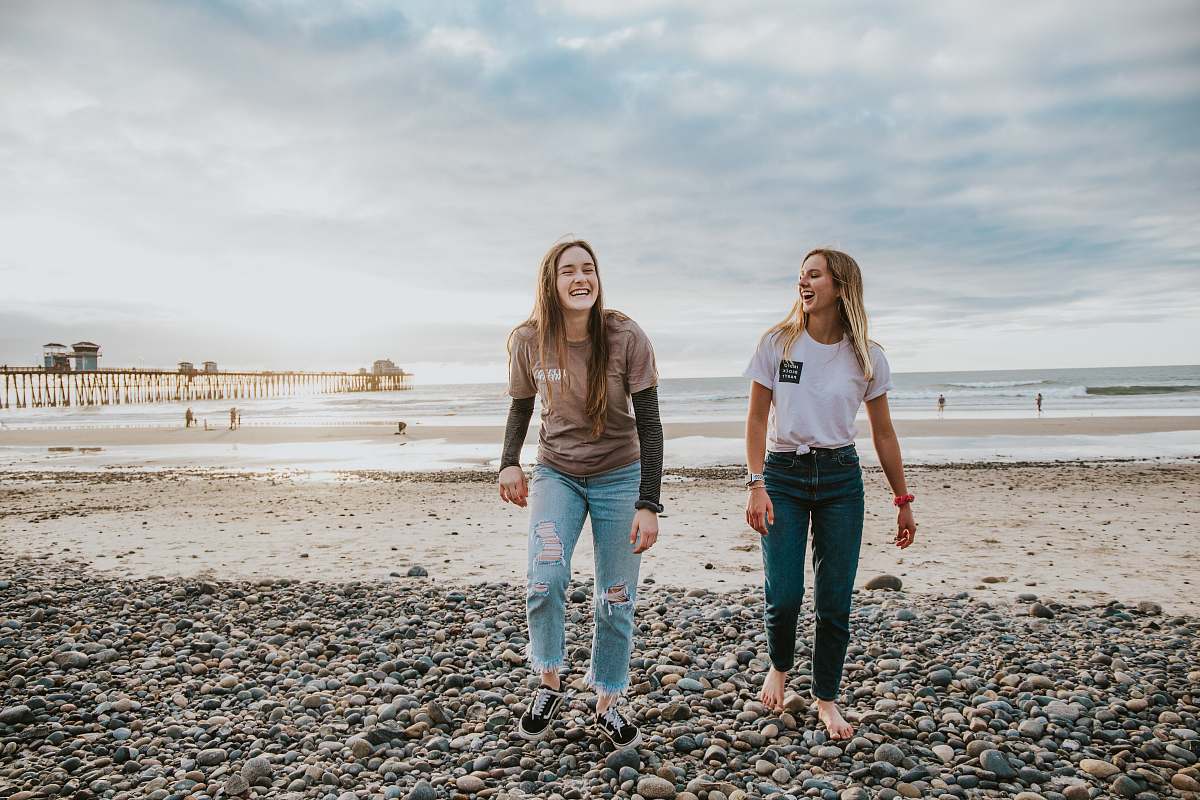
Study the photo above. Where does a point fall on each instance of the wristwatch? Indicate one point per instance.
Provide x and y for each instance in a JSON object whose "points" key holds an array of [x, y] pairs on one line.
{"points": [[754, 477]]}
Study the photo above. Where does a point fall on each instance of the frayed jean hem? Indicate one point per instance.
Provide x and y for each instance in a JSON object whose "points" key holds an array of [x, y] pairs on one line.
{"points": [[541, 666], [603, 688]]}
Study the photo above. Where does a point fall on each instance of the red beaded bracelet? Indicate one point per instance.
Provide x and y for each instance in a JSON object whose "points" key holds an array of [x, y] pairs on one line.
{"points": [[903, 499]]}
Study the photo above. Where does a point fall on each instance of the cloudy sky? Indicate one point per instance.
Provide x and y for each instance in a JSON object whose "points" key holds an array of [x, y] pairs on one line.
{"points": [[315, 185]]}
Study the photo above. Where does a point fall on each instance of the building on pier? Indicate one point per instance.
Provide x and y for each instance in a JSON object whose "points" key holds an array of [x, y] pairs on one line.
{"points": [[384, 366], [210, 366], [55, 357], [187, 367], [86, 356]]}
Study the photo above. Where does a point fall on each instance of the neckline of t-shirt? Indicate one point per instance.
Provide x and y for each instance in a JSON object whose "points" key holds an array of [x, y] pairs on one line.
{"points": [[580, 343], [813, 341]]}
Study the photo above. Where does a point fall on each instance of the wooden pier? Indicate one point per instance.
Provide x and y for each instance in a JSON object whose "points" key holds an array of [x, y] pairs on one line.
{"points": [[37, 387]]}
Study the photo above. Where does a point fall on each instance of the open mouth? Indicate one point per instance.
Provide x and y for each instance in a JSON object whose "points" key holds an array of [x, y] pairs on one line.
{"points": [[807, 296], [584, 292]]}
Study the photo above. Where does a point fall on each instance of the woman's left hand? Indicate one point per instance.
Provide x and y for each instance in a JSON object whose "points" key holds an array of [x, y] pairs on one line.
{"points": [[644, 532], [906, 526]]}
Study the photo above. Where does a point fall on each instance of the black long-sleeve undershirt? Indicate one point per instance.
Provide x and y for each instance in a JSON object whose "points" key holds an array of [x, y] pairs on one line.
{"points": [[519, 414], [650, 441]]}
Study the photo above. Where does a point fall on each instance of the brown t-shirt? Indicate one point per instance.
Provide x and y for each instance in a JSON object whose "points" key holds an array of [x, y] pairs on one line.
{"points": [[565, 441]]}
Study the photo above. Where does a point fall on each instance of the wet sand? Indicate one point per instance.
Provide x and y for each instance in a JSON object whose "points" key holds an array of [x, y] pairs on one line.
{"points": [[251, 433]]}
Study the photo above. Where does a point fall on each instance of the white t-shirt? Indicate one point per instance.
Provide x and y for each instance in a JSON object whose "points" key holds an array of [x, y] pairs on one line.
{"points": [[816, 391]]}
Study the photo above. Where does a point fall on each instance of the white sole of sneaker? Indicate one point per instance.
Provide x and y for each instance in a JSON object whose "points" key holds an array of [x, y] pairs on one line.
{"points": [[531, 737], [636, 740]]}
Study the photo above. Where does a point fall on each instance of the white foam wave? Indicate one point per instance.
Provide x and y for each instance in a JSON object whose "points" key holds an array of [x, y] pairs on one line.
{"points": [[993, 384], [979, 393]]}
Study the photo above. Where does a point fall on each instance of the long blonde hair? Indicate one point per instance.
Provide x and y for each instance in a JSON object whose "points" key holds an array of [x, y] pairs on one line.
{"points": [[546, 321], [848, 277]]}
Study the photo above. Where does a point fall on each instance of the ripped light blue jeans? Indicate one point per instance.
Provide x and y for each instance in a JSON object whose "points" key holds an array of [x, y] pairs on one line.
{"points": [[558, 504]]}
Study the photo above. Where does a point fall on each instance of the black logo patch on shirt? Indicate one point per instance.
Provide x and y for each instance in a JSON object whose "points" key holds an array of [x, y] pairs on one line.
{"points": [[789, 371]]}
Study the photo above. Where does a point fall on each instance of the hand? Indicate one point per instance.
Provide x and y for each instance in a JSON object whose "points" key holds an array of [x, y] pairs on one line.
{"points": [[644, 532], [513, 488], [906, 526], [759, 511]]}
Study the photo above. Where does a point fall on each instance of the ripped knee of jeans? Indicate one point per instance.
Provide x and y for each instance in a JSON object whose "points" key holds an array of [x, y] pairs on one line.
{"points": [[617, 593], [550, 544], [538, 588]]}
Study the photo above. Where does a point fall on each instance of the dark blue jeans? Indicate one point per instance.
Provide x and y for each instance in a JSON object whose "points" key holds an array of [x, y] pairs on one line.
{"points": [[824, 488]]}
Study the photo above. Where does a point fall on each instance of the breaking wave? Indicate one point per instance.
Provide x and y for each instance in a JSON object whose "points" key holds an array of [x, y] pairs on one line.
{"points": [[1122, 391]]}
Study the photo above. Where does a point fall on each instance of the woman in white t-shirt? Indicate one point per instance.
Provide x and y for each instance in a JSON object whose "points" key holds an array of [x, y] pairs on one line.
{"points": [[810, 374]]}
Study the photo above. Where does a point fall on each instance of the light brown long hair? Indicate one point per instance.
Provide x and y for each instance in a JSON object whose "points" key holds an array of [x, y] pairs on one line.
{"points": [[546, 321], [848, 277]]}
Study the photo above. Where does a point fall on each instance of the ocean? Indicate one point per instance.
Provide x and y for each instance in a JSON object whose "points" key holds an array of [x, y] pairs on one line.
{"points": [[1116, 391], [1007, 394]]}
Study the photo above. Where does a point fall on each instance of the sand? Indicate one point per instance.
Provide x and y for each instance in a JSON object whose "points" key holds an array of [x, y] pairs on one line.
{"points": [[1075, 532]]}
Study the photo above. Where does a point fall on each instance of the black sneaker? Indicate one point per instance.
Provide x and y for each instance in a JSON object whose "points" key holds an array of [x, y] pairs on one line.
{"points": [[535, 722], [618, 729]]}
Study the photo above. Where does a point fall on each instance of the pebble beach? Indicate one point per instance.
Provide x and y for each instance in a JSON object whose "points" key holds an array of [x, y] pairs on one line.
{"points": [[193, 634], [170, 688]]}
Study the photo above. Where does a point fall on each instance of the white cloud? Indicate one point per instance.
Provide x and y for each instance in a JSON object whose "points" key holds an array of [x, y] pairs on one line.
{"points": [[614, 39], [464, 43], [335, 177]]}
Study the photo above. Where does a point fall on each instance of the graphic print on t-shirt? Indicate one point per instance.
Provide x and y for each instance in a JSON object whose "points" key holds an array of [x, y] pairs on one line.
{"points": [[789, 371]]}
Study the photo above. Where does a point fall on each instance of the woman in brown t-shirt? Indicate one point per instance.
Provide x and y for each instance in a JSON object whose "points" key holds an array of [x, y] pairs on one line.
{"points": [[597, 458]]}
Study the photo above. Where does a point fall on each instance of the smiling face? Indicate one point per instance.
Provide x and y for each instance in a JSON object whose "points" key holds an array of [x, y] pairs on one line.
{"points": [[818, 290], [576, 280]]}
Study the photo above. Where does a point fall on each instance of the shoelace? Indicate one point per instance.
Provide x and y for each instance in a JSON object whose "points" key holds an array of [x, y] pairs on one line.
{"points": [[540, 701], [614, 718]]}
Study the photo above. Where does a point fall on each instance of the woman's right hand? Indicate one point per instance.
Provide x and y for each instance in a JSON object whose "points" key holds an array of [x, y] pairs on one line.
{"points": [[759, 511], [513, 488]]}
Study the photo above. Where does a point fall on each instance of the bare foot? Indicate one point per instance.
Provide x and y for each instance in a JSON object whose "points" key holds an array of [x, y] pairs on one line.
{"points": [[831, 718], [772, 690]]}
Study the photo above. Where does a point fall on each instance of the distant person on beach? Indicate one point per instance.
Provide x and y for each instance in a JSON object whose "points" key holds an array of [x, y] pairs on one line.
{"points": [[941, 405], [233, 418], [594, 458], [189, 418], [1039, 404], [815, 368]]}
